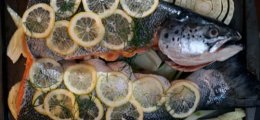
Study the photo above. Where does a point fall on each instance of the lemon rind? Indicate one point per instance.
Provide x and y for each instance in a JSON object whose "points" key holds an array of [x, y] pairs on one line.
{"points": [[104, 14], [138, 15], [51, 45], [107, 101], [80, 66], [50, 26]]}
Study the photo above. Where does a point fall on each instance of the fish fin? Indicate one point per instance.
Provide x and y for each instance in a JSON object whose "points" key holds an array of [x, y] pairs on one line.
{"points": [[15, 47]]}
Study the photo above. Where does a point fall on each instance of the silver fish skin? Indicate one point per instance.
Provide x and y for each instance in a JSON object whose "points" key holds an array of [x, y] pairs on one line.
{"points": [[188, 39], [226, 85]]}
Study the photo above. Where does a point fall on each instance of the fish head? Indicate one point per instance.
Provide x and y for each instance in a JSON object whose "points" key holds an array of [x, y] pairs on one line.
{"points": [[193, 42]]}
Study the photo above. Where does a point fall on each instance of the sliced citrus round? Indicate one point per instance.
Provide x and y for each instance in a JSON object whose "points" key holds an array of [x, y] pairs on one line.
{"points": [[118, 30], [90, 108], [113, 88], [103, 8], [80, 78], [38, 20], [129, 111], [139, 8], [86, 29], [65, 8], [46, 74], [37, 102], [182, 98], [12, 98], [60, 104], [59, 40], [148, 91]]}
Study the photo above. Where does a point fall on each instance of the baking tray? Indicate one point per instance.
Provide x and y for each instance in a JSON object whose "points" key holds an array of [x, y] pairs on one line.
{"points": [[11, 73]]}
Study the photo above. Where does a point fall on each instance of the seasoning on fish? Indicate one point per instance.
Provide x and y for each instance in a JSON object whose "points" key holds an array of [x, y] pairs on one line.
{"points": [[101, 7], [119, 32], [113, 88], [130, 110], [46, 74], [90, 108], [80, 79], [61, 104], [65, 8], [182, 98], [59, 41], [148, 92], [37, 102]]}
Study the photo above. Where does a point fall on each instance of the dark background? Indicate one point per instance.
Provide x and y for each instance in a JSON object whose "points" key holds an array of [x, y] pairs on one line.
{"points": [[11, 73]]}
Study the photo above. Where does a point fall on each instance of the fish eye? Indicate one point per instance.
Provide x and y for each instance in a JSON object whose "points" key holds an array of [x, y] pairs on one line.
{"points": [[213, 32]]}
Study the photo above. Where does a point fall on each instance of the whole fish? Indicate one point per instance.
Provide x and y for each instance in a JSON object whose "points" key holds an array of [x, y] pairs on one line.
{"points": [[189, 40], [222, 85]]}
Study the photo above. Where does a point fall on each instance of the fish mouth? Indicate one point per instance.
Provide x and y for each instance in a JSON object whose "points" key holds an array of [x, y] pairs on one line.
{"points": [[229, 44], [234, 40]]}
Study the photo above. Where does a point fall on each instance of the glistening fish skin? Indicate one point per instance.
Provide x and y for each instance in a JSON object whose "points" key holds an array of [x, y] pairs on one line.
{"points": [[226, 85], [223, 86]]}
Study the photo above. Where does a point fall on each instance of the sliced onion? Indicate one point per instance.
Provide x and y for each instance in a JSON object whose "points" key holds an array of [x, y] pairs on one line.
{"points": [[148, 61], [224, 10], [15, 47], [183, 3], [230, 12], [203, 7], [216, 9], [16, 18], [178, 2]]}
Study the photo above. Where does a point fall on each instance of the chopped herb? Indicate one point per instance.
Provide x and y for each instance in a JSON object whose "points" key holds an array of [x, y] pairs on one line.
{"points": [[66, 6], [139, 32]]}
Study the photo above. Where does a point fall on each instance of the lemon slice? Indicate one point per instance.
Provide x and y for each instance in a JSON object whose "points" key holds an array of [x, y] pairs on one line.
{"points": [[103, 8], [37, 102], [90, 108], [80, 78], [182, 98], [59, 40], [86, 29], [38, 20], [129, 111], [65, 8], [60, 104], [113, 88], [118, 30], [12, 98], [46, 74], [139, 8], [148, 91]]}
